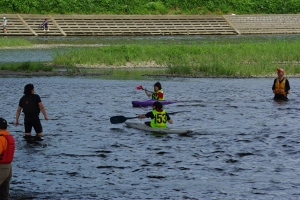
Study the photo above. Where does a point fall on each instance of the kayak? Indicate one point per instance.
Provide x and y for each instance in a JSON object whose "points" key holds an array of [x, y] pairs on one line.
{"points": [[149, 102], [142, 126]]}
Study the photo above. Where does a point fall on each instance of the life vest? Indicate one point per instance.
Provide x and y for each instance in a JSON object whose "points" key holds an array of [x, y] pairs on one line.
{"points": [[155, 96], [280, 86], [30, 107], [8, 154], [159, 120]]}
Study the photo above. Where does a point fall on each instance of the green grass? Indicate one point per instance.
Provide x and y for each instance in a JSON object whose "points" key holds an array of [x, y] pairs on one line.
{"points": [[123, 73], [211, 59], [25, 66], [162, 7], [13, 42]]}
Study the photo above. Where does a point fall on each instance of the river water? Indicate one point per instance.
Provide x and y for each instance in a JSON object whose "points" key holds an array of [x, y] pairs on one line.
{"points": [[244, 145]]}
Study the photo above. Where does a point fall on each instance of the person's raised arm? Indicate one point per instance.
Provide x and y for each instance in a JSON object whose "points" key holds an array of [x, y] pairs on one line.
{"points": [[147, 93]]}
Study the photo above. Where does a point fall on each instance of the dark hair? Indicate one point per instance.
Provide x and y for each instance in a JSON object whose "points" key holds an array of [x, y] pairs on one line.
{"points": [[3, 123], [28, 88], [157, 84], [158, 105]]}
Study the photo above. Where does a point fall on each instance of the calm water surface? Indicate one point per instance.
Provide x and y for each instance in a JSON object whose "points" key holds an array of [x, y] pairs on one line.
{"points": [[244, 145]]}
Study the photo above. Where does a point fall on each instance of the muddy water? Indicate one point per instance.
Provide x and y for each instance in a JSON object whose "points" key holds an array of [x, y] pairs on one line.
{"points": [[244, 145]]}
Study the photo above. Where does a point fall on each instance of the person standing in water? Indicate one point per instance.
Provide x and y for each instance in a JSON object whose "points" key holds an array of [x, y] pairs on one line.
{"points": [[157, 94], [31, 105], [281, 86], [7, 149]]}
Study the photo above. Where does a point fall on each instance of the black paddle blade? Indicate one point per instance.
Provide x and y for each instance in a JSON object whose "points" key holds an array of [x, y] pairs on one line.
{"points": [[117, 119]]}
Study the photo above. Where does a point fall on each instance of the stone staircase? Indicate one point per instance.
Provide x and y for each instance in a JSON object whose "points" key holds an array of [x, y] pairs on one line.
{"points": [[139, 25], [114, 25], [265, 24]]}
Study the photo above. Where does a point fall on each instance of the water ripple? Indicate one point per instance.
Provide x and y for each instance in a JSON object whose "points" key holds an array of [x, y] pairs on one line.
{"points": [[243, 145]]}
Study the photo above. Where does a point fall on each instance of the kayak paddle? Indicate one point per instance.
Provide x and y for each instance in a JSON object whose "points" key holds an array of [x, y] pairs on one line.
{"points": [[141, 88], [119, 119], [172, 113]]}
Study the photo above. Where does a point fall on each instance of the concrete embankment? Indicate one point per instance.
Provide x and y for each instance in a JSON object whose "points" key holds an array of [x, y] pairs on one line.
{"points": [[133, 25]]}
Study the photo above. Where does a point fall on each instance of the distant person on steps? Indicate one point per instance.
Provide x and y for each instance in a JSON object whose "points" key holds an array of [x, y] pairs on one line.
{"points": [[45, 25], [281, 86], [4, 25]]}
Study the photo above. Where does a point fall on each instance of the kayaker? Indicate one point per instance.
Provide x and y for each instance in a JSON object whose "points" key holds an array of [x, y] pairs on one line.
{"points": [[159, 117], [281, 86], [157, 94]]}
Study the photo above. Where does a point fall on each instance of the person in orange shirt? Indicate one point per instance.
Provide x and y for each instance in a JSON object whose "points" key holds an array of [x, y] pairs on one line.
{"points": [[7, 148]]}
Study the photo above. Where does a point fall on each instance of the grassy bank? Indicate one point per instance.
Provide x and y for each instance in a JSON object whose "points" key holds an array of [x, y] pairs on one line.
{"points": [[210, 59], [25, 67], [14, 42], [150, 6]]}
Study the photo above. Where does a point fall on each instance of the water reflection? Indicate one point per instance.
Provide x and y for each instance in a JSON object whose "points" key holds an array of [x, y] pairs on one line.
{"points": [[244, 144]]}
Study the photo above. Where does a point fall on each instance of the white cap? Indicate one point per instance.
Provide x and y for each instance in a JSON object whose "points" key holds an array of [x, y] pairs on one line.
{"points": [[4, 17]]}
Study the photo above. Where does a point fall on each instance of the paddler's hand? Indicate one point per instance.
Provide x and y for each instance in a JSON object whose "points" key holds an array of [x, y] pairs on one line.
{"points": [[141, 116]]}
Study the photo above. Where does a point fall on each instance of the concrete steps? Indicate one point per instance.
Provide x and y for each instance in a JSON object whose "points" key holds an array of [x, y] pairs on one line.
{"points": [[114, 25], [130, 25], [265, 24]]}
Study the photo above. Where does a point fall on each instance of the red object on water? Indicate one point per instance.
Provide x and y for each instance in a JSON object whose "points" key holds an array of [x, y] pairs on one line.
{"points": [[139, 87]]}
